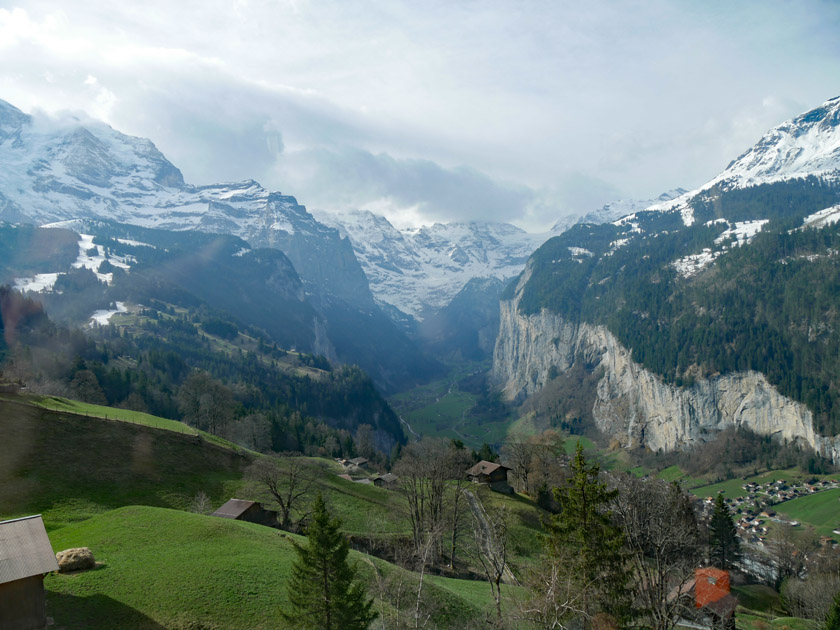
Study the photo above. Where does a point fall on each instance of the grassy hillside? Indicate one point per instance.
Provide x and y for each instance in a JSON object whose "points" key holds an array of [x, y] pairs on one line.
{"points": [[70, 467], [208, 573], [821, 510]]}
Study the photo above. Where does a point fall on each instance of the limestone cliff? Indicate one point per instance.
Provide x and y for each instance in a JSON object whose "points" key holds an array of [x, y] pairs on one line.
{"points": [[632, 404]]}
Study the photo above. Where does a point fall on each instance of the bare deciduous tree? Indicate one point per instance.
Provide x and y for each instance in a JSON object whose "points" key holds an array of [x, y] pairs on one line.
{"points": [[490, 532], [200, 503], [287, 481], [424, 469], [205, 402], [535, 461], [557, 599], [460, 461], [663, 537], [252, 431], [788, 550]]}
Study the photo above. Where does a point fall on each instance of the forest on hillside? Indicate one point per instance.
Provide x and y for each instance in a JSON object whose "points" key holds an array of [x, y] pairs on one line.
{"points": [[772, 306]]}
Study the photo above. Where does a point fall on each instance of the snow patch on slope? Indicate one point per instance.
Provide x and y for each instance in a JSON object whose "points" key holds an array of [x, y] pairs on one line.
{"points": [[823, 218], [102, 317], [735, 235]]}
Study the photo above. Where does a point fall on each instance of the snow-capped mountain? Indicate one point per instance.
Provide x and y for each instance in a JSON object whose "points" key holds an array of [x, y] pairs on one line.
{"points": [[614, 210], [421, 270], [714, 310], [808, 145], [78, 168]]}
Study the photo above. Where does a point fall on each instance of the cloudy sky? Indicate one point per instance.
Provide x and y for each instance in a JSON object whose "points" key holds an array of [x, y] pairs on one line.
{"points": [[429, 110]]}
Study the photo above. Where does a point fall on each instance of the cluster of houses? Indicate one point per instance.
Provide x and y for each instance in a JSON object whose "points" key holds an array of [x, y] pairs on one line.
{"points": [[778, 491], [753, 510], [484, 472], [358, 465]]}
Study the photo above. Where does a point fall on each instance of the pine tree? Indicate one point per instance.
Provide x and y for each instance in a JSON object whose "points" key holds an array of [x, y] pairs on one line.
{"points": [[324, 593], [590, 544], [724, 547], [832, 622]]}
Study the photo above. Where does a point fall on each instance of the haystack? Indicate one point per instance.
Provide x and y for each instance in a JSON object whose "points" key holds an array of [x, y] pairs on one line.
{"points": [[77, 559]]}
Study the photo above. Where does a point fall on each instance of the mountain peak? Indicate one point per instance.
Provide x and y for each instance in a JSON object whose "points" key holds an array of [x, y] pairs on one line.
{"points": [[808, 144], [11, 119]]}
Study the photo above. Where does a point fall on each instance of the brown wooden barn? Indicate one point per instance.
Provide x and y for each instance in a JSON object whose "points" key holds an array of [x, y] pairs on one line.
{"points": [[495, 475], [388, 480], [25, 557], [251, 511], [488, 472]]}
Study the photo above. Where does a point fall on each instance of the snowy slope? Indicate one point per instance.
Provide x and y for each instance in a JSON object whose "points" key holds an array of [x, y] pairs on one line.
{"points": [[420, 270], [423, 269], [806, 145], [614, 210], [74, 168]]}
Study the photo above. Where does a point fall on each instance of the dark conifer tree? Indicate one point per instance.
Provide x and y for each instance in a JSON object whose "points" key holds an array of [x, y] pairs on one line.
{"points": [[584, 534], [724, 547], [324, 593]]}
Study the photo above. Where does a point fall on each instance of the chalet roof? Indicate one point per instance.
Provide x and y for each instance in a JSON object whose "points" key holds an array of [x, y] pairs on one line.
{"points": [[25, 549], [723, 607], [388, 477], [485, 468], [358, 461], [234, 508]]}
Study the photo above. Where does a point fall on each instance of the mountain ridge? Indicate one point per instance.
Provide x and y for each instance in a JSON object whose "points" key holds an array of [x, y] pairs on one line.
{"points": [[693, 295]]}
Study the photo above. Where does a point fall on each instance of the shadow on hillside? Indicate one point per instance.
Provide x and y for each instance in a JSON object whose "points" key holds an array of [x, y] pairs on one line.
{"points": [[72, 612]]}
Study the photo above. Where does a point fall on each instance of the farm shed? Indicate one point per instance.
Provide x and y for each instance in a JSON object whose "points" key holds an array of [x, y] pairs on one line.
{"points": [[488, 472], [251, 511], [26, 555], [388, 480]]}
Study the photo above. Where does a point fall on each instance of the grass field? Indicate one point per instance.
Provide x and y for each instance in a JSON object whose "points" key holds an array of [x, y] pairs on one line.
{"points": [[822, 510], [207, 573], [441, 409], [55, 403], [70, 467], [732, 488]]}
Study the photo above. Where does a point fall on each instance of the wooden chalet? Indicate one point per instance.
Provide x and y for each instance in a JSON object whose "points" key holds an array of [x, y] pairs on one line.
{"points": [[388, 480], [491, 473], [488, 472], [26, 556], [251, 511], [709, 599]]}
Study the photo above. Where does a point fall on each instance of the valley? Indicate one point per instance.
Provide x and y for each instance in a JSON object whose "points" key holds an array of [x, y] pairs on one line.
{"points": [[482, 411]]}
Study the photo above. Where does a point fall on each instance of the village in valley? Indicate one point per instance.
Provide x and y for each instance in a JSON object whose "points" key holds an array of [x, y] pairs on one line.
{"points": [[754, 509]]}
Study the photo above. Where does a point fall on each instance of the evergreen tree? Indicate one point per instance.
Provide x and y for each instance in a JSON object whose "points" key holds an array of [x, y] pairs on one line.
{"points": [[324, 593], [724, 547], [589, 543], [832, 622]]}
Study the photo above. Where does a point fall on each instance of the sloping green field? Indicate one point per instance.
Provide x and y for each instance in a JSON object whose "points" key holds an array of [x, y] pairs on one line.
{"points": [[70, 467], [168, 569], [822, 510]]}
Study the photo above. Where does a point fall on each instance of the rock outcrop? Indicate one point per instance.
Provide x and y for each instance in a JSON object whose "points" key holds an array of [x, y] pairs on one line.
{"points": [[633, 405]]}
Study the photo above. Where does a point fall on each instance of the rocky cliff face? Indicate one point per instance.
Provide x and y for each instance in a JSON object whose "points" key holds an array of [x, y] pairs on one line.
{"points": [[633, 405]]}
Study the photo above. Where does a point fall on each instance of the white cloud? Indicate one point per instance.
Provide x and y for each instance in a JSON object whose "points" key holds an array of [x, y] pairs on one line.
{"points": [[432, 110]]}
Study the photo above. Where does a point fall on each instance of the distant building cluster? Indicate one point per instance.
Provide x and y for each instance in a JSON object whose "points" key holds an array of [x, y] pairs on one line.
{"points": [[358, 466], [753, 511]]}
